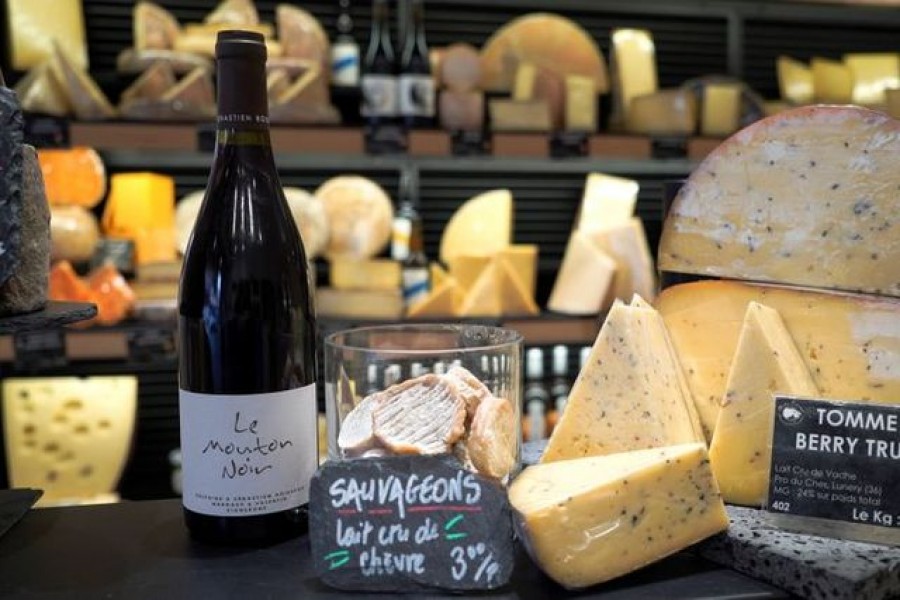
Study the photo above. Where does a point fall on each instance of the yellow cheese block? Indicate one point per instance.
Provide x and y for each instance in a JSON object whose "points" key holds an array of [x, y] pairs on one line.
{"points": [[523, 87], [766, 362], [633, 59], [806, 197], [832, 81], [482, 226], [627, 245], [629, 395], [666, 112], [585, 276], [524, 116], [849, 342], [795, 80], [373, 274], [589, 520], [523, 258], [873, 74], [466, 269], [721, 109], [68, 436], [437, 274], [141, 207], [581, 104], [441, 301], [514, 298], [484, 298], [33, 25], [608, 201], [375, 304]]}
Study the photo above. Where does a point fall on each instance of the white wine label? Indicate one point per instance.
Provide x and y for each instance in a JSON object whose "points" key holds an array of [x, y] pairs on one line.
{"points": [[379, 94], [416, 96], [345, 64], [245, 455], [415, 285], [400, 236]]}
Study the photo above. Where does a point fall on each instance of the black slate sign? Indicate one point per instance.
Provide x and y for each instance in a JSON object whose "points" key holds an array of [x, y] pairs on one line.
{"points": [[409, 523], [836, 460], [11, 173]]}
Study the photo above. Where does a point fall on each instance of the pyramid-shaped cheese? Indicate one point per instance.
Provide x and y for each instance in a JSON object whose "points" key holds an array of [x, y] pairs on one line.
{"points": [[766, 362], [589, 520], [514, 299], [484, 299], [630, 395], [481, 226], [440, 302]]}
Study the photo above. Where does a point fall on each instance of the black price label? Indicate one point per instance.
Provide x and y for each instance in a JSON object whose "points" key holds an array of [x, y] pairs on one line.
{"points": [[40, 350], [409, 524], [385, 138], [836, 460], [569, 144], [469, 143]]}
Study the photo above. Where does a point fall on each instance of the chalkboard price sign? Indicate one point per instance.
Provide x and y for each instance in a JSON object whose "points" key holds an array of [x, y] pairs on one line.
{"points": [[409, 524]]}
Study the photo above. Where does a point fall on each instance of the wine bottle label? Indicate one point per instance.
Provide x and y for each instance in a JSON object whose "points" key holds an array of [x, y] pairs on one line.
{"points": [[245, 455], [345, 64], [416, 95], [415, 285], [400, 236], [379, 94]]}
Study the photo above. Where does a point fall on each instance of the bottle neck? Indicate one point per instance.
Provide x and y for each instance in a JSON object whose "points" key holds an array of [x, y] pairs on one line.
{"points": [[415, 39], [381, 31], [242, 124]]}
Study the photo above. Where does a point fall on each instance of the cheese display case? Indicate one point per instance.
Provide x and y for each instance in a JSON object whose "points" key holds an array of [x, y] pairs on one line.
{"points": [[651, 198]]}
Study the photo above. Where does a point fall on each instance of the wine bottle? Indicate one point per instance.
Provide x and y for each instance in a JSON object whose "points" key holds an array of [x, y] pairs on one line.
{"points": [[416, 84], [246, 330], [407, 241], [379, 80], [345, 50]]}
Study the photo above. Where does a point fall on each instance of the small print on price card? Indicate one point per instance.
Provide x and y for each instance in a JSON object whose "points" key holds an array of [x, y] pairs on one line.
{"points": [[412, 523], [836, 469]]}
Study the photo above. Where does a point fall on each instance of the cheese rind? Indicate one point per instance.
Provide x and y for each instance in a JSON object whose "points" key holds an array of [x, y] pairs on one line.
{"points": [[629, 395], [589, 520], [849, 342], [766, 362], [805, 197]]}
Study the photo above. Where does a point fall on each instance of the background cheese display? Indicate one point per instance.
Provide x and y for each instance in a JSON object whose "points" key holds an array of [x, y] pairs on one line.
{"points": [[359, 215], [849, 342], [806, 197], [482, 226], [589, 520]]}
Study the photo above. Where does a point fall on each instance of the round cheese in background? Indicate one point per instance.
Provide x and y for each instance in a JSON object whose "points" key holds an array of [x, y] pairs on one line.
{"points": [[460, 67], [74, 233], [359, 216], [307, 211]]}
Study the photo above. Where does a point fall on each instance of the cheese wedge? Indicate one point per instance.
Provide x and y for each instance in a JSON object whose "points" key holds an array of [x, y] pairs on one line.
{"points": [[523, 86], [873, 74], [629, 395], [152, 84], [589, 520], [466, 269], [68, 436], [154, 27], [832, 81], [795, 80], [484, 298], [514, 299], [584, 279], [33, 27], [850, 343], [608, 201], [39, 91], [481, 226], [523, 259], [766, 362], [633, 60], [805, 197], [669, 112], [581, 104], [441, 301], [437, 274], [85, 98], [627, 245], [721, 109]]}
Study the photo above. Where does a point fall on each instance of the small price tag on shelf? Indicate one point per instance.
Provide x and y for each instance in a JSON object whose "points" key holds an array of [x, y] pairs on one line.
{"points": [[40, 350], [469, 143], [569, 144], [46, 131], [838, 461], [409, 523], [385, 139]]}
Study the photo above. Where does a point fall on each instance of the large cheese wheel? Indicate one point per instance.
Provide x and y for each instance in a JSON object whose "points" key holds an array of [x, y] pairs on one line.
{"points": [[806, 197], [482, 226], [360, 215], [155, 28], [302, 36], [546, 40], [74, 233], [74, 176]]}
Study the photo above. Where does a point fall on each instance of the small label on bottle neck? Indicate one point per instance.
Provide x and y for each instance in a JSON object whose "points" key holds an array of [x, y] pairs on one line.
{"points": [[242, 119], [345, 63], [400, 237], [415, 285]]}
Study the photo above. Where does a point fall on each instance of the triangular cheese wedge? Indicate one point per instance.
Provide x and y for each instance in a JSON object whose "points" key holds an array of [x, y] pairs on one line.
{"points": [[277, 82], [523, 259], [584, 279], [795, 80], [627, 245], [155, 28], [481, 226], [86, 99], [39, 91], [483, 299], [630, 394], [195, 88], [767, 361], [152, 84], [310, 89], [234, 12], [607, 202], [466, 269], [302, 35], [438, 275], [440, 302], [514, 299]]}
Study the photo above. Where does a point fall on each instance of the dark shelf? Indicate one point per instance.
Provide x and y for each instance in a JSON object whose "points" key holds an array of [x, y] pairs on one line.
{"points": [[56, 314]]}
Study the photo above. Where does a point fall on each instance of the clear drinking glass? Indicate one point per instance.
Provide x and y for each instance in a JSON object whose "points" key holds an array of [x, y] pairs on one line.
{"points": [[368, 389]]}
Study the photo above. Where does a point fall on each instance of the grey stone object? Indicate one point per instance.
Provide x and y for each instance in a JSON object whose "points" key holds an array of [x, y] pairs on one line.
{"points": [[12, 127], [809, 566]]}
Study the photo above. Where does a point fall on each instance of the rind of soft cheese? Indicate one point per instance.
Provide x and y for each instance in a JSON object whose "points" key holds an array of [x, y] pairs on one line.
{"points": [[481, 226], [356, 435], [491, 443], [629, 395], [589, 520], [68, 436], [583, 282], [849, 342], [805, 197], [766, 362]]}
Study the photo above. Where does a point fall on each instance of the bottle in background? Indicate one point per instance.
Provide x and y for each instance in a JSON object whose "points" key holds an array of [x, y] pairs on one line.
{"points": [[379, 78], [345, 50], [417, 95], [559, 385], [246, 330], [407, 241], [536, 396]]}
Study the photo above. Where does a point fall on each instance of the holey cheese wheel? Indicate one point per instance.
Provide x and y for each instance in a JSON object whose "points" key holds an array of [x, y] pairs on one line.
{"points": [[809, 196]]}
